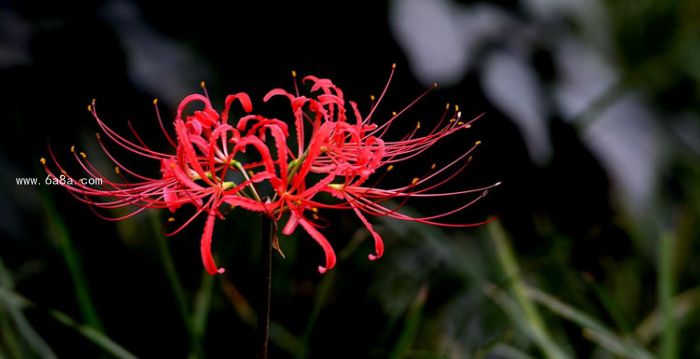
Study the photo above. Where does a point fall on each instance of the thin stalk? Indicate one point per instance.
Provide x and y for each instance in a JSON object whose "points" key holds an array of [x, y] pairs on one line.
{"points": [[266, 286]]}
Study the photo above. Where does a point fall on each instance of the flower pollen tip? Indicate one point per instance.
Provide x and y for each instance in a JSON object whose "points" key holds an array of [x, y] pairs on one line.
{"points": [[373, 257], [418, 124], [202, 84], [393, 66], [314, 209], [42, 160], [432, 167], [97, 136], [477, 143], [371, 97], [315, 216], [393, 113], [72, 148], [447, 106], [155, 101], [171, 219], [221, 271], [435, 84], [83, 155], [117, 170], [294, 73], [456, 108], [322, 269], [391, 167], [415, 180], [497, 183]]}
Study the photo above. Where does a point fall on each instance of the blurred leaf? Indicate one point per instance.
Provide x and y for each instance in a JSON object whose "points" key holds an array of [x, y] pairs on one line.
{"points": [[411, 324], [537, 330], [666, 284], [14, 309], [100, 340], [593, 330], [174, 281], [684, 305], [279, 335], [201, 305], [58, 230]]}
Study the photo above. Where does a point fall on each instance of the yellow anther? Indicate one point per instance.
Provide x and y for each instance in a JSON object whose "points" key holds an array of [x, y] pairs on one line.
{"points": [[371, 97], [435, 84], [460, 123], [432, 167], [171, 219], [172, 165], [72, 148], [116, 170], [97, 136], [393, 66], [467, 126], [298, 202], [155, 101], [250, 173], [83, 155], [315, 216], [89, 107], [477, 143], [447, 106], [391, 167], [457, 108], [415, 180], [42, 160], [452, 120], [418, 124], [202, 84], [336, 186], [314, 209], [393, 113], [459, 114], [294, 73]]}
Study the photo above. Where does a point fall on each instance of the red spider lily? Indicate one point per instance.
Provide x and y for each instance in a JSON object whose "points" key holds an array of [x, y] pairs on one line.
{"points": [[194, 175], [346, 154], [342, 151]]}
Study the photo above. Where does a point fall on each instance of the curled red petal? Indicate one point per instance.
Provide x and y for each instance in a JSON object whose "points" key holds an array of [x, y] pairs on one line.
{"points": [[205, 245], [323, 242]]}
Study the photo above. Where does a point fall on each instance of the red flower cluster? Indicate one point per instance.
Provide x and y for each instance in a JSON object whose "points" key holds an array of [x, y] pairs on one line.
{"points": [[216, 163]]}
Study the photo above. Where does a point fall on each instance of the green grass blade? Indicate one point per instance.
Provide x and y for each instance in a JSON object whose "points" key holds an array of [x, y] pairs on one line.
{"points": [[59, 232], [175, 286], [538, 331], [411, 325], [13, 299], [202, 304], [669, 336], [684, 306], [593, 330]]}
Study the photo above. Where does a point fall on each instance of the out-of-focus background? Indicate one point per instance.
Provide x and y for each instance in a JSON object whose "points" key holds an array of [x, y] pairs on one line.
{"points": [[591, 122]]}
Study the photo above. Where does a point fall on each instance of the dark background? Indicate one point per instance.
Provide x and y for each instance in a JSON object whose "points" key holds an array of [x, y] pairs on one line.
{"points": [[591, 123]]}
